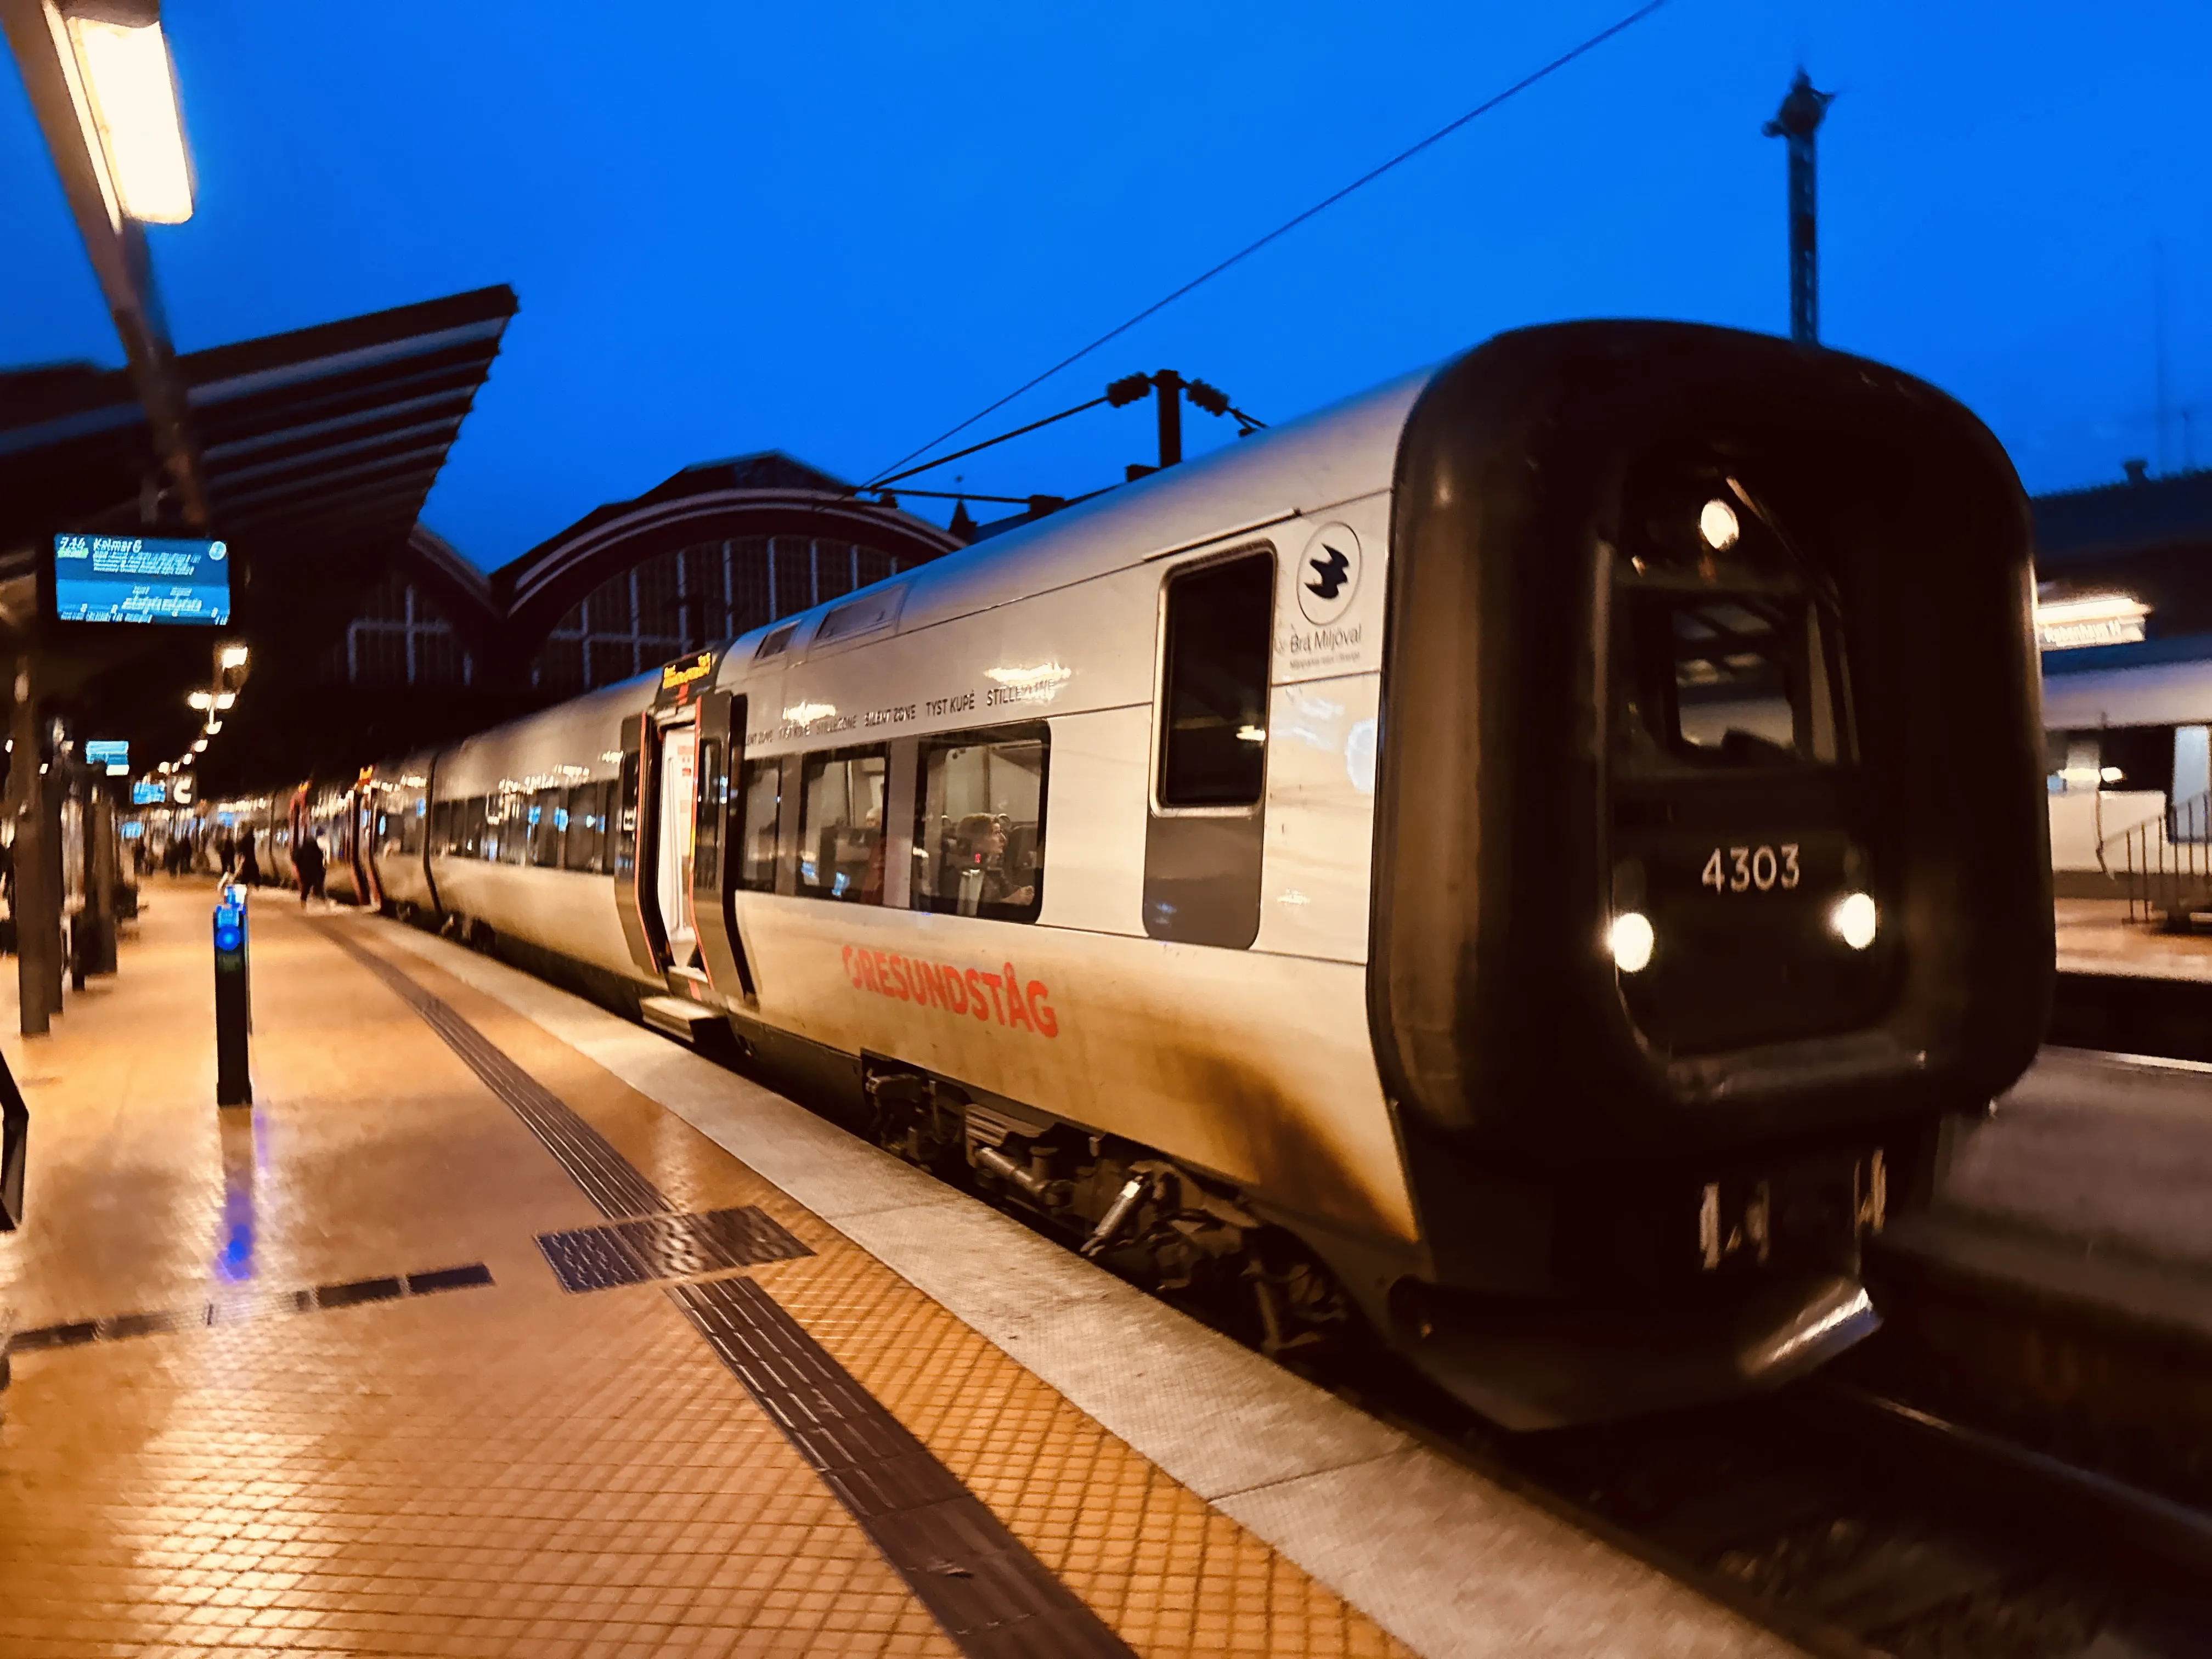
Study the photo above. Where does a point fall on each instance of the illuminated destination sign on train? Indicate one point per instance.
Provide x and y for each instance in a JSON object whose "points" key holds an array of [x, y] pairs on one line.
{"points": [[2092, 619], [141, 579]]}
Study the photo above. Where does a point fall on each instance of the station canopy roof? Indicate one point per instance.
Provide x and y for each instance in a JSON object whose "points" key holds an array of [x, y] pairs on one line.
{"points": [[317, 448]]}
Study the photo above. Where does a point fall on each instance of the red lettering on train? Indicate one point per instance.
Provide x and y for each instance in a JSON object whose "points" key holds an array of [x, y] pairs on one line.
{"points": [[1016, 1013], [1002, 996]]}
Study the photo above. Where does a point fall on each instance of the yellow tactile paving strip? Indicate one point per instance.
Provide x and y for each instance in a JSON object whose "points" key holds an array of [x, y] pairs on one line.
{"points": [[505, 1470]]}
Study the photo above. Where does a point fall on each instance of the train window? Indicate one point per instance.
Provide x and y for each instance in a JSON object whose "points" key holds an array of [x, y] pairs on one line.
{"points": [[441, 827], [469, 828], [978, 826], [548, 816], [1746, 678], [410, 818], [1214, 692], [714, 790], [585, 830], [507, 828], [1728, 651], [762, 786], [840, 826]]}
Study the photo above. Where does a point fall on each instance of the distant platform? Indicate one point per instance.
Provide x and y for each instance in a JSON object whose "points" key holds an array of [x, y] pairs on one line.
{"points": [[2095, 937], [500, 1325]]}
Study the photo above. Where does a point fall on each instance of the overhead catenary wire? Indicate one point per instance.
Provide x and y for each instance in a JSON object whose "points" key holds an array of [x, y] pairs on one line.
{"points": [[1581, 49]]}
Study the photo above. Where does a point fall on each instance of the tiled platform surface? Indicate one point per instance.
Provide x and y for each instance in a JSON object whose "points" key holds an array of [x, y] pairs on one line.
{"points": [[509, 1468]]}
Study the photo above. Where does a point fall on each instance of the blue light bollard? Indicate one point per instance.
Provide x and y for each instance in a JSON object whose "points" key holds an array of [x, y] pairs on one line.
{"points": [[234, 1006]]}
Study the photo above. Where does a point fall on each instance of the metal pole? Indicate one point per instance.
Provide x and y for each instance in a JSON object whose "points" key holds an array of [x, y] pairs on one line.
{"points": [[1167, 391], [1798, 120]]}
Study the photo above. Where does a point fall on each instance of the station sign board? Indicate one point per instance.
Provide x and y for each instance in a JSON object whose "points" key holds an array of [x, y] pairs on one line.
{"points": [[148, 793], [141, 579], [113, 753]]}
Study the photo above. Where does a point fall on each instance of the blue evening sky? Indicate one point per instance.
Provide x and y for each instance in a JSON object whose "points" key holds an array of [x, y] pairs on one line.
{"points": [[837, 230]]}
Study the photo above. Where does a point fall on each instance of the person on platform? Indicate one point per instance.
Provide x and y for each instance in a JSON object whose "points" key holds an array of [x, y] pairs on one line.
{"points": [[226, 851], [249, 866], [308, 859]]}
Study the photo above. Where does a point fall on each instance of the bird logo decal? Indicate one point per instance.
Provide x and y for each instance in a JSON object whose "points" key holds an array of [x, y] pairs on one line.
{"points": [[1329, 574]]}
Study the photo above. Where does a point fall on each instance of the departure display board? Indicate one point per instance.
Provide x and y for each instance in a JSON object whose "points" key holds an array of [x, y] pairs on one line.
{"points": [[113, 753], [141, 579], [147, 792]]}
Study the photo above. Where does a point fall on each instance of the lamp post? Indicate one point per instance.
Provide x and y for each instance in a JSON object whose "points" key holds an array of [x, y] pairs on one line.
{"points": [[100, 81]]}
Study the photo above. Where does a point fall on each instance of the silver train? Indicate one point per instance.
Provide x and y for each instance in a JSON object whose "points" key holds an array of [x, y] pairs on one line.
{"points": [[1488, 869]]}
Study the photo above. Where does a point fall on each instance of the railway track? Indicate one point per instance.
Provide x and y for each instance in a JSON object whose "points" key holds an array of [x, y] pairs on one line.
{"points": [[1853, 1523]]}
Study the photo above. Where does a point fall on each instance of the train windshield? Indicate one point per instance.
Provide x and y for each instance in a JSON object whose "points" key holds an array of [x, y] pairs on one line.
{"points": [[1726, 658]]}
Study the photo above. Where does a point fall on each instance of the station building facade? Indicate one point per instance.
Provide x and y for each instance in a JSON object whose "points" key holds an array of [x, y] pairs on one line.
{"points": [[437, 648]]}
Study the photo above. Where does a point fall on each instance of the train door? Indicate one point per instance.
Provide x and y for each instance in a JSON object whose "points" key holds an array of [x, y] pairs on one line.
{"points": [[721, 757], [368, 834], [674, 819], [657, 847], [633, 861]]}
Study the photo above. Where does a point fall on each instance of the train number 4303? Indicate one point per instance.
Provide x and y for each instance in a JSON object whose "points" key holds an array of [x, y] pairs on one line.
{"points": [[1744, 869]]}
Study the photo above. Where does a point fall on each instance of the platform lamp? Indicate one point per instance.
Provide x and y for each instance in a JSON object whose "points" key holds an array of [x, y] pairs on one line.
{"points": [[102, 85], [123, 87]]}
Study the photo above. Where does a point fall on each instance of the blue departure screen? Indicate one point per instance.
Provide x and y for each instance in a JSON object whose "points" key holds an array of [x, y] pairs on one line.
{"points": [[113, 753], [145, 792], [141, 579]]}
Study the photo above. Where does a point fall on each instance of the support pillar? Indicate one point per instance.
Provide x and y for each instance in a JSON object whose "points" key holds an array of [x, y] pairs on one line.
{"points": [[101, 878], [34, 803]]}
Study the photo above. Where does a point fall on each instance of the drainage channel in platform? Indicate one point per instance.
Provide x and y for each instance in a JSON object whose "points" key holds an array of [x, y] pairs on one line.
{"points": [[238, 1309]]}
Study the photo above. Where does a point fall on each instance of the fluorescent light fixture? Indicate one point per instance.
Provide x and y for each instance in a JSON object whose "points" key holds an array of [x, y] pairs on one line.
{"points": [[202, 700], [214, 727], [2090, 619], [199, 746], [126, 96], [224, 699], [233, 656]]}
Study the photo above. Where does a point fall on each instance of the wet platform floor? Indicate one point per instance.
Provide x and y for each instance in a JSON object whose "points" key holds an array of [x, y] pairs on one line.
{"points": [[308, 1378]]}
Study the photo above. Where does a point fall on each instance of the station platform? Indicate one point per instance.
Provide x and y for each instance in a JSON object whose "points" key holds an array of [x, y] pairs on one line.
{"points": [[2096, 938], [2089, 1182], [499, 1325]]}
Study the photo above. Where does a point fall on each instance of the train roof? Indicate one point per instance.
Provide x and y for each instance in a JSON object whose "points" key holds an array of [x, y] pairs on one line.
{"points": [[1334, 454]]}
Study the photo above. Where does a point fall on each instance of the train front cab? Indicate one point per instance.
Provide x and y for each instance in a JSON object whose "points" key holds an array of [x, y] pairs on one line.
{"points": [[1695, 917]]}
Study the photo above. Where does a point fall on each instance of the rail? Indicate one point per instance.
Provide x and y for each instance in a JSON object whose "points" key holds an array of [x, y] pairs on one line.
{"points": [[2166, 863]]}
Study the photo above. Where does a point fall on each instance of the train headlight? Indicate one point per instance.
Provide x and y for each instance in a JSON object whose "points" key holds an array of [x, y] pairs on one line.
{"points": [[1855, 920], [1717, 523], [1630, 939]]}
